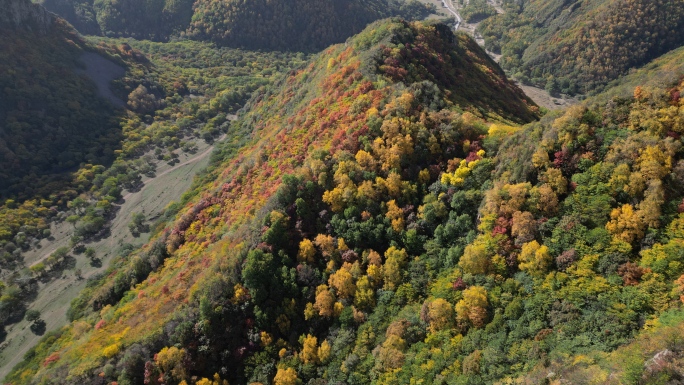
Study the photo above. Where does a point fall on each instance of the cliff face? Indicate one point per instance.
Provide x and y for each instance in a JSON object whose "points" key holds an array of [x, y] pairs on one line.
{"points": [[22, 14]]}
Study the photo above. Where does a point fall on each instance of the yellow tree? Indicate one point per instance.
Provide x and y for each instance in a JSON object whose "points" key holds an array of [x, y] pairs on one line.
{"points": [[654, 163], [472, 308], [440, 314], [309, 352], [649, 209], [216, 381], [285, 376], [554, 178], [343, 283], [324, 301], [366, 160], [477, 256], [625, 224], [366, 191], [464, 169], [395, 261], [390, 354], [619, 180], [336, 198], [546, 200], [540, 159], [307, 251], [396, 215], [170, 360], [324, 351], [365, 297], [524, 226], [326, 244], [534, 259]]}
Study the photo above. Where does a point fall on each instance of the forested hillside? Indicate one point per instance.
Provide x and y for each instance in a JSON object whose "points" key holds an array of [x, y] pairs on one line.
{"points": [[51, 116], [292, 24], [301, 25], [396, 211], [141, 19], [373, 123], [659, 73], [579, 46]]}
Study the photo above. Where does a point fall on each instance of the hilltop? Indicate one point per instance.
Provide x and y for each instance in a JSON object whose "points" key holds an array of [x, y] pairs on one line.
{"points": [[403, 99], [25, 16], [580, 46]]}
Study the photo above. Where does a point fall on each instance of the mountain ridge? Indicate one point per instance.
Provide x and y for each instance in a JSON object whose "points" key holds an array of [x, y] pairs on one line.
{"points": [[334, 104], [302, 25]]}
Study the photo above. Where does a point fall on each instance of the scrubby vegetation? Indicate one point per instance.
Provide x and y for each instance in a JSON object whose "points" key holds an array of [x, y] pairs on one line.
{"points": [[578, 47]]}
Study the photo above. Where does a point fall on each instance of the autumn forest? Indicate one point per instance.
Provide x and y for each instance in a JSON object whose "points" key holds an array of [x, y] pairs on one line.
{"points": [[378, 199]]}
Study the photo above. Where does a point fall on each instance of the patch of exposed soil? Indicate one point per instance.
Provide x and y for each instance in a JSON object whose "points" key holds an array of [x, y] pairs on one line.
{"points": [[103, 71]]}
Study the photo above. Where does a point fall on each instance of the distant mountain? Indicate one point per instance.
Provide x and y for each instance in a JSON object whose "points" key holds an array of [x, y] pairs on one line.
{"points": [[141, 19], [292, 24], [286, 25], [51, 115], [578, 46]]}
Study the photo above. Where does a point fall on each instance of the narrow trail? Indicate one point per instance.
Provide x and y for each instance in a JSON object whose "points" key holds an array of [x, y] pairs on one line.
{"points": [[176, 167], [450, 7]]}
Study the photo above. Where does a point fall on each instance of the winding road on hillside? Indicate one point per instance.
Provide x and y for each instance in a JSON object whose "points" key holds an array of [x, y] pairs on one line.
{"points": [[450, 7]]}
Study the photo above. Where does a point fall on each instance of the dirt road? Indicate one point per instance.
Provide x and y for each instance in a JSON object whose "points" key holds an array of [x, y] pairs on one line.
{"points": [[450, 7]]}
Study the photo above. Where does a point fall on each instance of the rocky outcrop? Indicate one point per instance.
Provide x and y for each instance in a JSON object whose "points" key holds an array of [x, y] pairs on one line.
{"points": [[22, 14]]}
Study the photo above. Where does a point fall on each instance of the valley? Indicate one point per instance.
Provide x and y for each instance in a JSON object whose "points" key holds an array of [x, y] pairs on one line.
{"points": [[540, 96], [54, 296]]}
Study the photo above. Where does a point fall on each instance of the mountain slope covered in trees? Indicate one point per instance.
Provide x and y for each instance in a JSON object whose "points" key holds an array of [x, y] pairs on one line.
{"points": [[393, 212], [256, 24], [51, 116], [293, 25], [406, 91], [579, 46], [146, 19]]}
